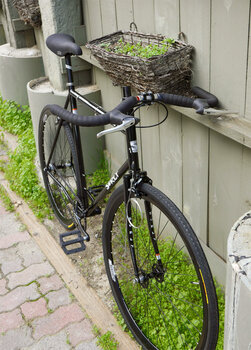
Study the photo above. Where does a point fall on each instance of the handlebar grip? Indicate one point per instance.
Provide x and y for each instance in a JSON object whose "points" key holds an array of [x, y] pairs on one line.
{"points": [[211, 99], [205, 100], [116, 116], [127, 104], [176, 100], [76, 119]]}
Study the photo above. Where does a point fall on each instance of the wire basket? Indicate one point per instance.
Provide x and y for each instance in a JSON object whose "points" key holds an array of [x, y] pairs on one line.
{"points": [[28, 11], [168, 72]]}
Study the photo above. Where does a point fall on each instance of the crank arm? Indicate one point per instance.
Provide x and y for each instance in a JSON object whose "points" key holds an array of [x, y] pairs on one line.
{"points": [[80, 227]]}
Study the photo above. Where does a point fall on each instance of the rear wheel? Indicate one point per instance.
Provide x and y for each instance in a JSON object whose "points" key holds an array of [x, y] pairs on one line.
{"points": [[172, 303], [60, 169]]}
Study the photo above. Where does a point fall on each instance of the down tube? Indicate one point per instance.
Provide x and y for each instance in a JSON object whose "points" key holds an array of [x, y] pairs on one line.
{"points": [[110, 184]]}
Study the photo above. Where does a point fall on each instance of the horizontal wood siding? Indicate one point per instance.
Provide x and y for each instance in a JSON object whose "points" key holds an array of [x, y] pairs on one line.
{"points": [[124, 12], [195, 176], [205, 173], [170, 167], [248, 90], [224, 190], [144, 15], [167, 17], [229, 50], [195, 23]]}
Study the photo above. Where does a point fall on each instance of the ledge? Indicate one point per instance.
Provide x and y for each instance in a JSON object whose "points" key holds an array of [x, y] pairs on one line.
{"points": [[232, 125], [88, 57]]}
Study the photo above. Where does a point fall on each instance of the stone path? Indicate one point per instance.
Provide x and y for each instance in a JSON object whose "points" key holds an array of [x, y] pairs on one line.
{"points": [[37, 311]]}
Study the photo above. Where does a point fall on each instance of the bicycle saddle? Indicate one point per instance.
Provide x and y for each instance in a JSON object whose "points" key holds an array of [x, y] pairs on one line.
{"points": [[63, 44]]}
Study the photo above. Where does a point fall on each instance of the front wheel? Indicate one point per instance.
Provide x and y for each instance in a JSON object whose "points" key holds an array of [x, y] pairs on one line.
{"points": [[171, 302]]}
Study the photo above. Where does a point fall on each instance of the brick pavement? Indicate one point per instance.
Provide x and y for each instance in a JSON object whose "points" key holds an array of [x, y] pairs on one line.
{"points": [[37, 311]]}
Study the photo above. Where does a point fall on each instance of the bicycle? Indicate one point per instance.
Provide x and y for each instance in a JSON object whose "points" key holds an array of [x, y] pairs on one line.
{"points": [[156, 267]]}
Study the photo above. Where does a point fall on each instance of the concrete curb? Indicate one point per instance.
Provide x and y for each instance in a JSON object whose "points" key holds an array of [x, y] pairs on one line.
{"points": [[238, 288]]}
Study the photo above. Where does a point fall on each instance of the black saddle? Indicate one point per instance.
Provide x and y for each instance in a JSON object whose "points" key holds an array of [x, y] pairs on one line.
{"points": [[63, 44]]}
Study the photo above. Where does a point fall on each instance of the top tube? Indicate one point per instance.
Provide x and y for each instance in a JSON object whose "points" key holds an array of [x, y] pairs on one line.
{"points": [[94, 106]]}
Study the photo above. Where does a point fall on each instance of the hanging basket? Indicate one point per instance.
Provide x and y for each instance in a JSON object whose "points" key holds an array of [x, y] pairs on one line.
{"points": [[168, 72], [28, 11]]}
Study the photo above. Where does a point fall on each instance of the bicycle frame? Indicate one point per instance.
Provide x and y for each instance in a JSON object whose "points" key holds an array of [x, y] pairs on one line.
{"points": [[129, 170]]}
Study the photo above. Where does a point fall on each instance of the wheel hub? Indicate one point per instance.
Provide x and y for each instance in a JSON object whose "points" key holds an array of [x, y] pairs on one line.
{"points": [[158, 273]]}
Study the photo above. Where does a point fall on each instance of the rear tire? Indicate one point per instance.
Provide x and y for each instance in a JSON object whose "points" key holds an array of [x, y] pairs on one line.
{"points": [[61, 177], [174, 309]]}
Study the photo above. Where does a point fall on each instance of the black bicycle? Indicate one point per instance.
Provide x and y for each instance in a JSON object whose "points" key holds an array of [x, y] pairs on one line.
{"points": [[156, 267]]}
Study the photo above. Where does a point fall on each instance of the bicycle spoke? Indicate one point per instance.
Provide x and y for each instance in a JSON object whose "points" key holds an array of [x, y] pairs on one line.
{"points": [[165, 317], [169, 297]]}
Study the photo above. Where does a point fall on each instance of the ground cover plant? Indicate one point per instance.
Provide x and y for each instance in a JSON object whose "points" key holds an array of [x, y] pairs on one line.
{"points": [[106, 341], [138, 49], [20, 171], [6, 200]]}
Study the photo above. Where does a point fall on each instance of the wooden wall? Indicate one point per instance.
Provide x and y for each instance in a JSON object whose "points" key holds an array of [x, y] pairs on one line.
{"points": [[205, 173]]}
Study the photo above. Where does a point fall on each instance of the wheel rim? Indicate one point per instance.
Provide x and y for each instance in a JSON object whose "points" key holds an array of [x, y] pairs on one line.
{"points": [[167, 306]]}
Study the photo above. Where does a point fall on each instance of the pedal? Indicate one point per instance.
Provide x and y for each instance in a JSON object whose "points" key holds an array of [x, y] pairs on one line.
{"points": [[78, 240]]}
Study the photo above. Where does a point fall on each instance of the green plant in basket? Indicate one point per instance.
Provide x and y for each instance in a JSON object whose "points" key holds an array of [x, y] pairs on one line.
{"points": [[138, 49]]}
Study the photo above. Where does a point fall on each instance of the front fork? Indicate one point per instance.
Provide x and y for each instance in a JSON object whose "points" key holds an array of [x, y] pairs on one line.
{"points": [[129, 228], [157, 268]]}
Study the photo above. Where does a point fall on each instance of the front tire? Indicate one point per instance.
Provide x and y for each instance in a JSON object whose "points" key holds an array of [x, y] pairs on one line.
{"points": [[171, 309]]}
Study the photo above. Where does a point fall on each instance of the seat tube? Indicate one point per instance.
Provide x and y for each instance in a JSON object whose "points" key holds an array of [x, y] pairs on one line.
{"points": [[75, 129]]}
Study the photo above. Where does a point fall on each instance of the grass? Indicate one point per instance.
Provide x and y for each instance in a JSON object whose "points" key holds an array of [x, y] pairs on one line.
{"points": [[101, 175], [106, 341], [20, 171], [221, 306], [6, 200]]}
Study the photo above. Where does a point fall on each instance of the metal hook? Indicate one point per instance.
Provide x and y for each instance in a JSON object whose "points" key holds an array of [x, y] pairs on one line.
{"points": [[182, 37], [135, 27]]}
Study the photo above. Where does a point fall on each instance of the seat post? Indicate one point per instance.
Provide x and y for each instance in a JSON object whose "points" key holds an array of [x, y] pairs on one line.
{"points": [[70, 82]]}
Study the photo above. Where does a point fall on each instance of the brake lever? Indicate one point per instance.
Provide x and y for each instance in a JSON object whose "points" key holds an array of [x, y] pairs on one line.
{"points": [[126, 123]]}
